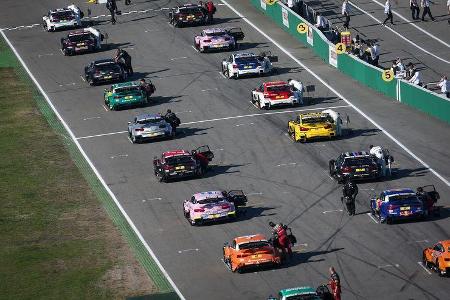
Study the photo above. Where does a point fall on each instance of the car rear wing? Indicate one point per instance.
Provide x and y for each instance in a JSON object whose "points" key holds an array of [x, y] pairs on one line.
{"points": [[235, 32], [268, 54]]}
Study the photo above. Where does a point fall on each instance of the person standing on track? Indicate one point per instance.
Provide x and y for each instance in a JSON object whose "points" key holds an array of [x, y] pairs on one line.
{"points": [[335, 284], [426, 9], [415, 9], [388, 12], [112, 7], [346, 13], [448, 8]]}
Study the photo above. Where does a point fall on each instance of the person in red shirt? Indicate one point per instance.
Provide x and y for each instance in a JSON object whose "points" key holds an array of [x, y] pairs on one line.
{"points": [[335, 284], [280, 233]]}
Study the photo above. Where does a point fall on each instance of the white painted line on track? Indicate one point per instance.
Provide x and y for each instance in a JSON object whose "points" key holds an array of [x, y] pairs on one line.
{"points": [[207, 90], [196, 50], [68, 84], [287, 164], [152, 199], [330, 211], [91, 118], [290, 55], [94, 169], [371, 217], [178, 58], [254, 193], [371, 189], [423, 267], [119, 156], [388, 266], [188, 250], [82, 78], [221, 74], [105, 108], [401, 36], [183, 112], [415, 26], [244, 124]]}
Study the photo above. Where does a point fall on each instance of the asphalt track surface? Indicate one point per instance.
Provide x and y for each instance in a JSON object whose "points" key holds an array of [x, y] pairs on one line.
{"points": [[424, 43], [284, 181]]}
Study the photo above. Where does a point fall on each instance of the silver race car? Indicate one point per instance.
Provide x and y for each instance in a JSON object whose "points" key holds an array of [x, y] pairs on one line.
{"points": [[149, 126]]}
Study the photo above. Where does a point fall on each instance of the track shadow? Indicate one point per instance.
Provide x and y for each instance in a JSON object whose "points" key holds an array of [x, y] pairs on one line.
{"points": [[286, 70], [134, 20], [139, 75], [164, 99], [247, 45], [250, 212], [214, 170], [352, 133], [417, 172], [217, 21], [308, 100], [305, 257], [112, 46], [189, 131]]}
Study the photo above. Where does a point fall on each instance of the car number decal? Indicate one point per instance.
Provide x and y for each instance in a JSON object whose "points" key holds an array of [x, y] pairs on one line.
{"points": [[179, 168], [405, 208], [360, 170]]}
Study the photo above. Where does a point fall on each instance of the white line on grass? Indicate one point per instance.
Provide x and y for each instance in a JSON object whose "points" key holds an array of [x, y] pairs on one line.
{"points": [[290, 55], [94, 169]]}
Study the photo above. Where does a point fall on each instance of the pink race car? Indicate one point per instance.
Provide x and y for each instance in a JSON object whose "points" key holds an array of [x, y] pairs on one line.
{"points": [[218, 39], [208, 206]]}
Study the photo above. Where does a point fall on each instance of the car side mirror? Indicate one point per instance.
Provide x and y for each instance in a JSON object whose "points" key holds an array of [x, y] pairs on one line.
{"points": [[129, 123]]}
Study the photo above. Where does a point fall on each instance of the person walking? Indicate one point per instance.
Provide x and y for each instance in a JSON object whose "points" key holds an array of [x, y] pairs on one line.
{"points": [[388, 12], [415, 9], [448, 8], [335, 284], [426, 9], [345, 13], [112, 7]]}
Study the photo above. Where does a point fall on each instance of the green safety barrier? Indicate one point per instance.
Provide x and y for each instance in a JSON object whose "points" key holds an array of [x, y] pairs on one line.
{"points": [[364, 73]]}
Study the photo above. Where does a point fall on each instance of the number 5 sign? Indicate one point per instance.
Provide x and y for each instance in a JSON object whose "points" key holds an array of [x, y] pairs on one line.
{"points": [[387, 75]]}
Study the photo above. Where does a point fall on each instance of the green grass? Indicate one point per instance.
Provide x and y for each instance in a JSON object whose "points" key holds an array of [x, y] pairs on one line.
{"points": [[56, 241]]}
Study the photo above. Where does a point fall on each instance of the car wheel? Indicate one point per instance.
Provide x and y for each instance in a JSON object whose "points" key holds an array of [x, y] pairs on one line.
{"points": [[111, 106], [192, 222], [91, 81], [330, 167], [227, 73], [439, 270], [388, 220], [134, 139], [425, 261]]}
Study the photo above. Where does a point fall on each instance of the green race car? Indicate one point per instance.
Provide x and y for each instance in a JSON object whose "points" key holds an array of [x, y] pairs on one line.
{"points": [[126, 94], [303, 293]]}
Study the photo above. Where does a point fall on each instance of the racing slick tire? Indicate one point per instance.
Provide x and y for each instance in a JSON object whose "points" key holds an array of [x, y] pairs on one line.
{"points": [[388, 220], [134, 140], [192, 222], [91, 81], [440, 272], [425, 262]]}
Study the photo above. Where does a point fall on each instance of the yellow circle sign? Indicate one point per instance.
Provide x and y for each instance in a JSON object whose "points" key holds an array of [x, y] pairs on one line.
{"points": [[302, 28], [270, 2], [387, 75], [340, 48]]}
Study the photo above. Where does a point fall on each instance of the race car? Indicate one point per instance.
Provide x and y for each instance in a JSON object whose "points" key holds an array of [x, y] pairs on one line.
{"points": [[104, 71], [438, 257], [304, 293], [148, 127], [61, 18], [250, 251], [396, 204], [210, 206], [310, 126], [274, 93], [187, 14], [218, 39], [126, 94], [242, 64], [80, 41], [182, 163], [354, 165]]}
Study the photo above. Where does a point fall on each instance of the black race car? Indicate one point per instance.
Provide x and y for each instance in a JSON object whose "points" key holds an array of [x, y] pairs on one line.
{"points": [[188, 14], [182, 163], [104, 71], [355, 165], [80, 41]]}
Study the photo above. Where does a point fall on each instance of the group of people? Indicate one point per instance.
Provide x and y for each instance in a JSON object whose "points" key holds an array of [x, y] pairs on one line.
{"points": [[209, 10], [369, 51]]}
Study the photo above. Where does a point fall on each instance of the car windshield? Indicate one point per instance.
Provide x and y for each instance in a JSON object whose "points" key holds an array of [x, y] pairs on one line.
{"points": [[401, 198], [254, 245], [217, 33], [107, 67], [354, 162], [278, 88], [129, 90], [246, 60], [210, 200], [62, 15], [79, 37], [315, 120], [190, 11], [182, 159], [149, 121]]}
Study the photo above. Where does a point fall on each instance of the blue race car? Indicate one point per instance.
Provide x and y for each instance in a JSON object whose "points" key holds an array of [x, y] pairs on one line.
{"points": [[397, 204]]}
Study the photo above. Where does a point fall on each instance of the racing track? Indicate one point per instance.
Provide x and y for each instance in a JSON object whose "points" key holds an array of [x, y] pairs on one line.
{"points": [[285, 181]]}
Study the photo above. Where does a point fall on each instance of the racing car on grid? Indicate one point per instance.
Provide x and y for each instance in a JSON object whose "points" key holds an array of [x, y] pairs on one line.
{"points": [[438, 257], [251, 251], [310, 126], [244, 64], [104, 71], [62, 18], [274, 93], [176, 164], [218, 39], [125, 95], [81, 41], [304, 293], [212, 206], [354, 165], [397, 204], [149, 127], [187, 14]]}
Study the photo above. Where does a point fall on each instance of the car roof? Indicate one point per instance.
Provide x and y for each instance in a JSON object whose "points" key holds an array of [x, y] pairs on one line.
{"points": [[397, 192], [104, 61], [304, 290], [244, 54], [172, 153], [78, 32], [274, 83], [250, 238], [148, 117], [214, 30], [208, 195], [357, 154]]}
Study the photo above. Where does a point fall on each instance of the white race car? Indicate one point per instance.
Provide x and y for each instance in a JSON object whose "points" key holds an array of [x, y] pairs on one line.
{"points": [[60, 18]]}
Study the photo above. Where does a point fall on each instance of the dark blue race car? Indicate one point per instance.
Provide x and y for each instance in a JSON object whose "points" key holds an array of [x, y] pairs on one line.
{"points": [[397, 204]]}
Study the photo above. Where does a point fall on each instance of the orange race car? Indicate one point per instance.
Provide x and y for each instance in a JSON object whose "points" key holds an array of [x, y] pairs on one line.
{"points": [[438, 257], [250, 251]]}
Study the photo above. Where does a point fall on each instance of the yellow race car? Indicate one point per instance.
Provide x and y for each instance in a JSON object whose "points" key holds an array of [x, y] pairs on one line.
{"points": [[311, 126]]}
